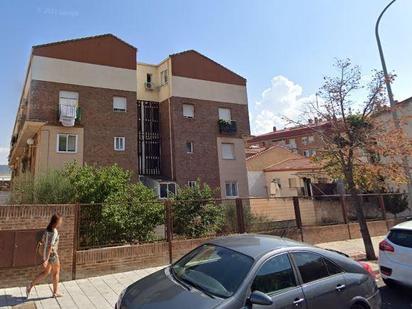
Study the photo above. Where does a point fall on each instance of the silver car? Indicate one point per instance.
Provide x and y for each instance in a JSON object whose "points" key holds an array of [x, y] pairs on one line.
{"points": [[256, 271]]}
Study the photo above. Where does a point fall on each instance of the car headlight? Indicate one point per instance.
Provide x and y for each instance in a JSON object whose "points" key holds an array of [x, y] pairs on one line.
{"points": [[119, 301]]}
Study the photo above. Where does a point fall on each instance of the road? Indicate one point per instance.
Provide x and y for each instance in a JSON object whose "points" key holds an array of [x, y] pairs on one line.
{"points": [[395, 298]]}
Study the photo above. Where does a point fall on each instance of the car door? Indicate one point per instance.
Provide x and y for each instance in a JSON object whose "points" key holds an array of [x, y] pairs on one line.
{"points": [[323, 283], [277, 279]]}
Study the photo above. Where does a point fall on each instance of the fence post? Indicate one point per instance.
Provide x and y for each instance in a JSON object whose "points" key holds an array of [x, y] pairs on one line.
{"points": [[240, 216], [75, 239], [345, 214], [169, 228], [383, 209], [298, 217]]}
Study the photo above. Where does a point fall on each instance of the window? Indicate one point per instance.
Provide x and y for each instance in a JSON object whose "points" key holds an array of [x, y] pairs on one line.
{"points": [[191, 183], [401, 238], [68, 103], [231, 189], [119, 104], [228, 151], [333, 269], [66, 143], [119, 143], [222, 270], [277, 181], [311, 266], [293, 183], [309, 153], [148, 78], [164, 77], [167, 189], [188, 110], [224, 114], [275, 275], [189, 147], [308, 139]]}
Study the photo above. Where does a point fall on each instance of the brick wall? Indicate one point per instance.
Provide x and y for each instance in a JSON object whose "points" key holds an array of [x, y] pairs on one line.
{"points": [[101, 124], [29, 217], [103, 261]]}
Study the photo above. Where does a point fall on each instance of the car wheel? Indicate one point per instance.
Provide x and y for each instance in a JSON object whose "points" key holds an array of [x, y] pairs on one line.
{"points": [[389, 283], [358, 306]]}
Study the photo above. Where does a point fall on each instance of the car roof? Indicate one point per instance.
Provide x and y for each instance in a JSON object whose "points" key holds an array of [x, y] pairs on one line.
{"points": [[255, 245], [404, 226]]}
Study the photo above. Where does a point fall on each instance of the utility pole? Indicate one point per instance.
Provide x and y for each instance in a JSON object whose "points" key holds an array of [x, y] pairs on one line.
{"points": [[395, 117]]}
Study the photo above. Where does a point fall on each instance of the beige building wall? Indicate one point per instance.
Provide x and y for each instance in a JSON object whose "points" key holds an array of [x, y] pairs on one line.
{"points": [[269, 157], [83, 74], [159, 92], [47, 157], [233, 170], [283, 176]]}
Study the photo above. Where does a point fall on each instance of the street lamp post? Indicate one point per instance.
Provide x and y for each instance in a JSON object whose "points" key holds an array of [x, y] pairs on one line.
{"points": [[394, 113]]}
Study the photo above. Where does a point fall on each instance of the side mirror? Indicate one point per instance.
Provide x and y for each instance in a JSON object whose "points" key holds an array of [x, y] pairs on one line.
{"points": [[260, 298]]}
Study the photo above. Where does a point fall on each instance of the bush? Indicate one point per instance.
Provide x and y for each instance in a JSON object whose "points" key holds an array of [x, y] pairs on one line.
{"points": [[94, 185], [395, 203], [252, 222], [195, 212], [51, 188], [131, 214]]}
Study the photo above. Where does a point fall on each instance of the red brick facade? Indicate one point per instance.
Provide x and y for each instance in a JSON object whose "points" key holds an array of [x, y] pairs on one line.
{"points": [[101, 124], [203, 131]]}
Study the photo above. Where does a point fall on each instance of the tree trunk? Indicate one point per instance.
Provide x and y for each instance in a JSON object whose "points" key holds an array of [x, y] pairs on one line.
{"points": [[367, 241]]}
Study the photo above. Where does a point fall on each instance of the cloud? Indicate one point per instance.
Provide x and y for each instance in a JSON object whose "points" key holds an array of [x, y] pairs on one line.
{"points": [[4, 153], [283, 99]]}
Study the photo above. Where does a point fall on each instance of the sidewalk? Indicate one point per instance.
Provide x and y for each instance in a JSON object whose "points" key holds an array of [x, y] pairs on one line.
{"points": [[102, 292]]}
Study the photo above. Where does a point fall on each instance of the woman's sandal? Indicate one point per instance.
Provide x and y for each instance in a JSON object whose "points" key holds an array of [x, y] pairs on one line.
{"points": [[28, 290], [55, 295]]}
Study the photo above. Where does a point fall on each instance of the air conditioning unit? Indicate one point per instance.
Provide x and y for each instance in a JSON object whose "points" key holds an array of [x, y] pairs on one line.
{"points": [[149, 86]]}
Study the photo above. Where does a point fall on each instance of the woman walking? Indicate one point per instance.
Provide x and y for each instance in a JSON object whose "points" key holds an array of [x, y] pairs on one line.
{"points": [[51, 263]]}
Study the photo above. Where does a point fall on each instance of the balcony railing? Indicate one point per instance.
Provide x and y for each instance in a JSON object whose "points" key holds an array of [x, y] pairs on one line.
{"points": [[227, 127]]}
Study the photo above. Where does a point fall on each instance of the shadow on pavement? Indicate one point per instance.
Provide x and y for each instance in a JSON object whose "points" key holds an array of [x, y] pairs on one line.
{"points": [[20, 302], [396, 297]]}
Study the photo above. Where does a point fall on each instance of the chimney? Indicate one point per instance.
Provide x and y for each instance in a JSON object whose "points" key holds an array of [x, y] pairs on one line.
{"points": [[316, 120], [274, 129], [310, 121]]}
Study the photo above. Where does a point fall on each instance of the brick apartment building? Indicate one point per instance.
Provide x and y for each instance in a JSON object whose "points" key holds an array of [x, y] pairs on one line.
{"points": [[304, 140], [88, 100]]}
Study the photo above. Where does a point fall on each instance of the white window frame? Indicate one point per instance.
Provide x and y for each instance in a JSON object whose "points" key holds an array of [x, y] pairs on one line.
{"points": [[233, 153], [191, 147], [225, 110], [124, 143], [164, 77], [67, 143], [167, 183], [193, 110], [191, 183], [118, 110], [231, 183]]}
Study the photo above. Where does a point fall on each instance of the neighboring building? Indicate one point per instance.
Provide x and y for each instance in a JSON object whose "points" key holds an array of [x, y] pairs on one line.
{"points": [[196, 113], [88, 100], [278, 172], [304, 140]]}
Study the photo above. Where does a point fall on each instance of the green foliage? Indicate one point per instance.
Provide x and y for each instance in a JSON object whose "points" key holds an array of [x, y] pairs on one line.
{"points": [[50, 188], [395, 203], [196, 213], [252, 222], [131, 214], [94, 185], [22, 189]]}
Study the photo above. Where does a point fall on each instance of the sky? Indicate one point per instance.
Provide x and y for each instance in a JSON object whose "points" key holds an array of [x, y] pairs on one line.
{"points": [[282, 47]]}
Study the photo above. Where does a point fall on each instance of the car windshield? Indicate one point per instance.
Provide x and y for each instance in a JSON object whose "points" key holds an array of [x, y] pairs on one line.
{"points": [[401, 237], [215, 270]]}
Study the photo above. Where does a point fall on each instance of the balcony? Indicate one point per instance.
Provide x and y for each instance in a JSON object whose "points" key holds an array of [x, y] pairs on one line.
{"points": [[227, 127]]}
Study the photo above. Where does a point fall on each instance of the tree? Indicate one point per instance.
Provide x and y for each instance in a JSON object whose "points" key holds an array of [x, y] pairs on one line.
{"points": [[358, 147]]}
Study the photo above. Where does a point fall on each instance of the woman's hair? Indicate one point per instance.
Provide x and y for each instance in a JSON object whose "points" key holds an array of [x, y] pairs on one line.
{"points": [[53, 222]]}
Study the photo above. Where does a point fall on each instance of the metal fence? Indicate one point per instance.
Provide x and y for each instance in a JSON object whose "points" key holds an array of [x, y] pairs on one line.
{"points": [[167, 220]]}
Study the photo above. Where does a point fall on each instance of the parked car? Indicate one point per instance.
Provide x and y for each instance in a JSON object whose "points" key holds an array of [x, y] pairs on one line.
{"points": [[256, 271], [395, 255]]}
